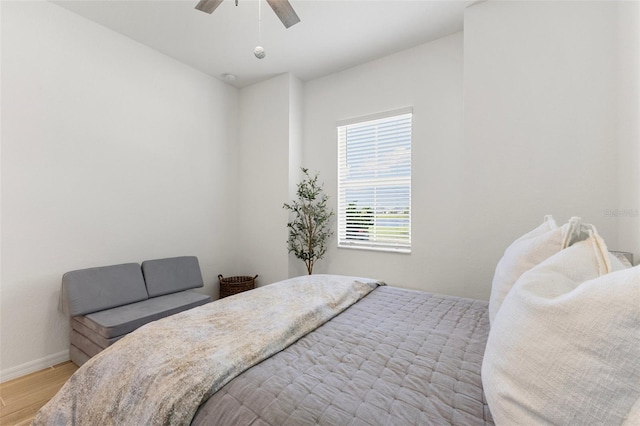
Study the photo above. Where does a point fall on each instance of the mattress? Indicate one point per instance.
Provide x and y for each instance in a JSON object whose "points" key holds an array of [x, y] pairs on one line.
{"points": [[397, 357]]}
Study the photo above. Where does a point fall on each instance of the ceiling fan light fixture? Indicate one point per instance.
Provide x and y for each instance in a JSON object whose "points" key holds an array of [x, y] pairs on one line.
{"points": [[259, 52]]}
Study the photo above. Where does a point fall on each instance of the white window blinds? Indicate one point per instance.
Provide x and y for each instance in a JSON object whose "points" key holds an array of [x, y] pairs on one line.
{"points": [[374, 182]]}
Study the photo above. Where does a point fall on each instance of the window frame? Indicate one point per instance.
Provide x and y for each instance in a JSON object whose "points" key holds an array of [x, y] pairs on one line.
{"points": [[345, 236]]}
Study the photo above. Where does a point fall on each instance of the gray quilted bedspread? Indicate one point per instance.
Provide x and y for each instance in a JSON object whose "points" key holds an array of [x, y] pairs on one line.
{"points": [[397, 357]]}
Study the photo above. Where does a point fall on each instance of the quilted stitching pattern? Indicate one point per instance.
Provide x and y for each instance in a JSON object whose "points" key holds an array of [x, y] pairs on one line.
{"points": [[396, 357]]}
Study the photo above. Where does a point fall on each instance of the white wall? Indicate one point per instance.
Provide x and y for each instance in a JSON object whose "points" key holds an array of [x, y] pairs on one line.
{"points": [[428, 78], [540, 121], [111, 153], [262, 172], [296, 109], [628, 85]]}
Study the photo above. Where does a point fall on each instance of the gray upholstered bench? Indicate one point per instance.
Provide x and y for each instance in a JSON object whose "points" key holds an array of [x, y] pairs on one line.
{"points": [[108, 302]]}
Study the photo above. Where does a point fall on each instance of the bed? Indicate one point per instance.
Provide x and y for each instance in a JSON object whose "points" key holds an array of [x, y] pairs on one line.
{"points": [[558, 343], [396, 357]]}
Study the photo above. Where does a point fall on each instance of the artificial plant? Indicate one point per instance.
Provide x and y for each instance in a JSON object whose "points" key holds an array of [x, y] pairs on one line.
{"points": [[310, 227]]}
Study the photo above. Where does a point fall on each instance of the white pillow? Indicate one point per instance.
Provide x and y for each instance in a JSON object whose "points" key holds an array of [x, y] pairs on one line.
{"points": [[525, 253], [565, 347]]}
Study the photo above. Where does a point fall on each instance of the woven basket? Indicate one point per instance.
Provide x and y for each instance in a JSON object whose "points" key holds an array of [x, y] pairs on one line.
{"points": [[234, 285]]}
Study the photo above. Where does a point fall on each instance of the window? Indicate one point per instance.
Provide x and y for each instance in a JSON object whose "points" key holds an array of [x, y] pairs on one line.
{"points": [[374, 182]]}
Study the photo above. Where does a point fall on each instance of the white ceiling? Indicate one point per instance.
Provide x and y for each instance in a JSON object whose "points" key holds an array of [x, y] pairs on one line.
{"points": [[333, 34]]}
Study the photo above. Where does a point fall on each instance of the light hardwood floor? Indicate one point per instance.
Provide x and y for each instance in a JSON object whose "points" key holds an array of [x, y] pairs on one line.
{"points": [[21, 398]]}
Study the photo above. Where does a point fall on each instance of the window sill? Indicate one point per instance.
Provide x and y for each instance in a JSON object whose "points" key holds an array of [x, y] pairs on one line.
{"points": [[398, 250]]}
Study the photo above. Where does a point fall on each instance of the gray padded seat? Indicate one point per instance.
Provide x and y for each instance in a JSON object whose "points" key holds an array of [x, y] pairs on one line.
{"points": [[77, 356], [124, 319], [164, 276], [108, 302], [95, 289], [78, 327]]}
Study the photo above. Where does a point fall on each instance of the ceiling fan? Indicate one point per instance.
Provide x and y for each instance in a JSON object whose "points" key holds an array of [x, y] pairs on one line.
{"points": [[282, 8]]}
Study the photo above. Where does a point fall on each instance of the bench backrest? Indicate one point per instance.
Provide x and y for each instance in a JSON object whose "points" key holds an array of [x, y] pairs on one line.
{"points": [[94, 289], [164, 276]]}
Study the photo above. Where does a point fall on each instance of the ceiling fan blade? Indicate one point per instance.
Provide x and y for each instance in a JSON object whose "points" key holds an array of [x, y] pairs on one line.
{"points": [[285, 12], [208, 6]]}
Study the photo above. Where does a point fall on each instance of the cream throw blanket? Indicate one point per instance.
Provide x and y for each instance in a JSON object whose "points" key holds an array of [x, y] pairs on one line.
{"points": [[162, 372]]}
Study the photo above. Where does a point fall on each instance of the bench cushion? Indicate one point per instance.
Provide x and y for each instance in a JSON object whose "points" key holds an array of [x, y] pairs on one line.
{"points": [[77, 356], [85, 344], [164, 276], [124, 319], [96, 289], [96, 338]]}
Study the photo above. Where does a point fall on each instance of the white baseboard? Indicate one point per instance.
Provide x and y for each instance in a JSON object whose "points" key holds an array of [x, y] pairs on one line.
{"points": [[33, 366]]}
